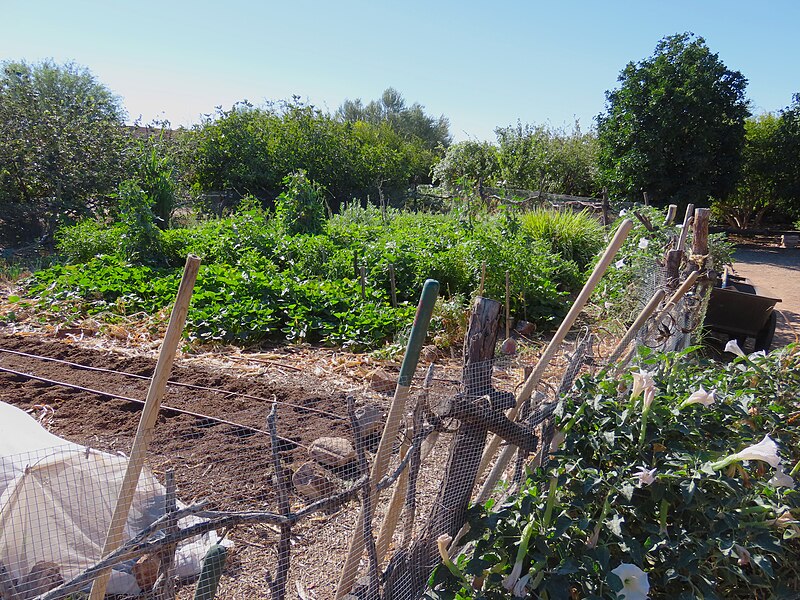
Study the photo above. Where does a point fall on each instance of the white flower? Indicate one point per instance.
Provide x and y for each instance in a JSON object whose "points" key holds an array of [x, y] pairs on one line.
{"points": [[519, 589], [511, 580], [646, 477], [765, 450], [743, 554], [644, 243], [641, 381], [635, 585], [700, 397], [623, 212], [733, 348], [649, 396], [620, 264], [781, 479], [758, 353]]}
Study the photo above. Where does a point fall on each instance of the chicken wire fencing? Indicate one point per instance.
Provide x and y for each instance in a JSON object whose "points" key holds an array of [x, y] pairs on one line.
{"points": [[293, 506]]}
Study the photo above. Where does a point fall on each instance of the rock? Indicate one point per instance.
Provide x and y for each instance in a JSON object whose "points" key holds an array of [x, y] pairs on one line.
{"points": [[44, 576], [790, 241], [311, 482], [381, 381], [509, 346], [524, 328], [146, 571], [429, 353], [332, 451], [370, 418]]}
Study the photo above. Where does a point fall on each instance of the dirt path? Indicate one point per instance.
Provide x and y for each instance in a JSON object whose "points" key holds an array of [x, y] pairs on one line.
{"points": [[776, 273]]}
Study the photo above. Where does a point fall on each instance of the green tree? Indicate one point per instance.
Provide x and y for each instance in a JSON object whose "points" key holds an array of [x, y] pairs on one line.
{"points": [[755, 193], [787, 141], [539, 157], [410, 122], [248, 150], [62, 145], [675, 125], [468, 161]]}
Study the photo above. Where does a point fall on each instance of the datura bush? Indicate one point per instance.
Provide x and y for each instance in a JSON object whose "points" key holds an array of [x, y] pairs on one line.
{"points": [[676, 479]]}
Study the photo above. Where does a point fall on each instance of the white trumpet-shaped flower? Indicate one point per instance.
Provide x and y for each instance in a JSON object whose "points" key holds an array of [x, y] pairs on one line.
{"points": [[649, 396], [781, 479], [700, 397], [620, 264], [766, 450], [641, 381], [733, 347], [644, 243], [519, 589], [635, 585], [743, 554], [646, 476]]}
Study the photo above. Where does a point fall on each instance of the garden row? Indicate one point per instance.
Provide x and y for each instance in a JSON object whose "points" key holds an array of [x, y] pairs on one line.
{"points": [[261, 280]]}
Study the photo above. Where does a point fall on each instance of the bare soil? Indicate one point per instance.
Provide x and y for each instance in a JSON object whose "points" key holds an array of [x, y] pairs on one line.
{"points": [[775, 272]]}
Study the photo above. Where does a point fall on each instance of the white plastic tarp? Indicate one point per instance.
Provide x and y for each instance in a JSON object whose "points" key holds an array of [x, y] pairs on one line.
{"points": [[56, 502]]}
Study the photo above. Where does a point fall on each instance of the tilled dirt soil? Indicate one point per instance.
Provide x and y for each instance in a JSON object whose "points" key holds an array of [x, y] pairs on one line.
{"points": [[227, 465]]}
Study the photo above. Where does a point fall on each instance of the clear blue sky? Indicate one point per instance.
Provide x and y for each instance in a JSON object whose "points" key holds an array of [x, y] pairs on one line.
{"points": [[481, 64]]}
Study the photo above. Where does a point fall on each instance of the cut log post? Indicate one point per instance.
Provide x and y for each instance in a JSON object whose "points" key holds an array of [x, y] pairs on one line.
{"points": [[672, 266], [409, 572], [605, 207], [646, 198], [644, 220], [144, 433]]}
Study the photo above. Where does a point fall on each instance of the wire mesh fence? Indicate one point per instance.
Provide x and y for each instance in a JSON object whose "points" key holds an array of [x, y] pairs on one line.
{"points": [[291, 497]]}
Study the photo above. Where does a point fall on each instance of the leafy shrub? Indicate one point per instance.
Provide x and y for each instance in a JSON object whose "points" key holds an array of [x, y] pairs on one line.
{"points": [[300, 208], [649, 485], [87, 239]]}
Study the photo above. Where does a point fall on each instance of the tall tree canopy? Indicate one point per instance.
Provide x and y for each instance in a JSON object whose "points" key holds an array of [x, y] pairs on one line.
{"points": [[61, 143], [555, 160], [675, 125], [408, 121], [787, 151]]}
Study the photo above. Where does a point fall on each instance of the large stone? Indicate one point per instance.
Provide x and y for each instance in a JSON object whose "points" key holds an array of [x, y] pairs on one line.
{"points": [[146, 571], [44, 576], [332, 451], [370, 419], [311, 481], [381, 381]]}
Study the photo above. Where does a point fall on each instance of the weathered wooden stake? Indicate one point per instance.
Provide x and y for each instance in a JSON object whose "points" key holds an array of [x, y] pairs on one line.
{"points": [[672, 212], [605, 207], [363, 274], [392, 285], [144, 433], [687, 220], [646, 198], [483, 278], [552, 348]]}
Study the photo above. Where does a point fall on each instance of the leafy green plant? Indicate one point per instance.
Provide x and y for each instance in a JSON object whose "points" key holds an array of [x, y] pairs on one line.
{"points": [[676, 478], [301, 207]]}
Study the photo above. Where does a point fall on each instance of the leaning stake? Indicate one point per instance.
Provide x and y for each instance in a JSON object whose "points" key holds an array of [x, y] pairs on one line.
{"points": [[551, 350], [148, 420], [381, 462]]}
